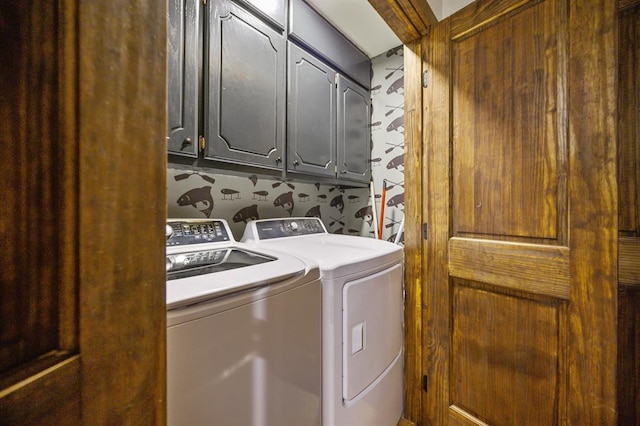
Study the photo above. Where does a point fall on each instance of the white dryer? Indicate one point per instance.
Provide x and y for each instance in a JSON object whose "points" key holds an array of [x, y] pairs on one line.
{"points": [[243, 331], [362, 313]]}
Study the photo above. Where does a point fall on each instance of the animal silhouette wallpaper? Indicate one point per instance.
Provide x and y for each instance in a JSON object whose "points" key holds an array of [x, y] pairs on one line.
{"points": [[343, 210]]}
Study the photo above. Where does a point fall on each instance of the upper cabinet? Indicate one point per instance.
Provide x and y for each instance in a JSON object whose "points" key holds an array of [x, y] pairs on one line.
{"points": [[312, 113], [354, 131], [238, 99], [328, 130], [184, 31], [244, 111]]}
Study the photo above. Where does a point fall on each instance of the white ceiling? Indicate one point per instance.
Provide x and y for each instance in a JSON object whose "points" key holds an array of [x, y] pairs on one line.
{"points": [[359, 21]]}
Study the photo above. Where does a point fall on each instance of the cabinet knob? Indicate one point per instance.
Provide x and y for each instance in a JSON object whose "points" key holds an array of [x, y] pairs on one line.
{"points": [[185, 143], [296, 163], [278, 160], [344, 172]]}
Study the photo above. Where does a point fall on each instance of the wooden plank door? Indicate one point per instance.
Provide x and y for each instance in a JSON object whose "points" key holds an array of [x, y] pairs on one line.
{"points": [[82, 213], [521, 195], [629, 212]]}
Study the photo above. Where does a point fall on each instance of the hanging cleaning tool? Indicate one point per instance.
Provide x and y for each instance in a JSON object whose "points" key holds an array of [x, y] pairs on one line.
{"points": [[399, 233], [373, 209], [382, 202]]}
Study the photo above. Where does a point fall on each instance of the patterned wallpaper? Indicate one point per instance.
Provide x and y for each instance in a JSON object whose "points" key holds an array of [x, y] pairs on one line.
{"points": [[239, 198], [387, 133]]}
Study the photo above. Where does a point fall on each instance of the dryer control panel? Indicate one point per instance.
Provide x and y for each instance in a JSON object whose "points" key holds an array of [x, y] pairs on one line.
{"points": [[194, 231], [280, 228]]}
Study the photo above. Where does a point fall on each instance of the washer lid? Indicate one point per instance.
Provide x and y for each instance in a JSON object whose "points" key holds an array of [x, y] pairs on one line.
{"points": [[209, 279]]}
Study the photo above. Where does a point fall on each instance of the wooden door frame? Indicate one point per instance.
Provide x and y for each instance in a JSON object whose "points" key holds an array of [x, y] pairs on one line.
{"points": [[413, 242]]}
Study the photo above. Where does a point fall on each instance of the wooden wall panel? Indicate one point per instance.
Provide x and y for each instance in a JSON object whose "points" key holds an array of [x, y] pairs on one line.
{"points": [[629, 213], [506, 164], [509, 347], [593, 219], [629, 123], [629, 355], [31, 197], [481, 13], [539, 269], [122, 134], [39, 380], [629, 261], [413, 233], [436, 318]]}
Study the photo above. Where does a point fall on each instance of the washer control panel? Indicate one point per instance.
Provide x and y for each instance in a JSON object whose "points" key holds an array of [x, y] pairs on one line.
{"points": [[194, 231], [280, 228]]}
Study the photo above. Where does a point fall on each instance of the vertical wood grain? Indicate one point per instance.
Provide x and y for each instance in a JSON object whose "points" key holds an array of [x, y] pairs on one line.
{"points": [[506, 168], [628, 122], [413, 172], [408, 19], [28, 234], [487, 327], [82, 218], [593, 213], [436, 154], [122, 110], [40, 382], [569, 157], [628, 369]]}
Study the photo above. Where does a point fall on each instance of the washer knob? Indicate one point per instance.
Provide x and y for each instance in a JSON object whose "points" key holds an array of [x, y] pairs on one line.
{"points": [[168, 231], [294, 226]]}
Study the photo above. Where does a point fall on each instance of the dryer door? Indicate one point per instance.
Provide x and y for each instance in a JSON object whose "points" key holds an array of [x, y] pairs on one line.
{"points": [[371, 328]]}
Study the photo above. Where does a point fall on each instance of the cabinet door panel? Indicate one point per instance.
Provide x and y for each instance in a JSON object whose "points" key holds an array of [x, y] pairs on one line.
{"points": [[271, 9], [244, 111], [354, 132], [311, 141], [183, 61]]}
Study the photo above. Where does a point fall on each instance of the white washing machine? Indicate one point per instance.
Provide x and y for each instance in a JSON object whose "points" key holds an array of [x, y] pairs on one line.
{"points": [[243, 331], [362, 311]]}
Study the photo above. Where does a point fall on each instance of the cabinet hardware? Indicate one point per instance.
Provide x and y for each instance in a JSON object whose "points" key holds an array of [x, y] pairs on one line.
{"points": [[425, 231], [425, 79], [425, 383], [185, 143], [296, 163], [278, 160], [201, 143]]}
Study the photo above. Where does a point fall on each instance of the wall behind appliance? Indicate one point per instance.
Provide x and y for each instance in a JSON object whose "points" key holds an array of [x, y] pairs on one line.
{"points": [[236, 198], [387, 131], [198, 194]]}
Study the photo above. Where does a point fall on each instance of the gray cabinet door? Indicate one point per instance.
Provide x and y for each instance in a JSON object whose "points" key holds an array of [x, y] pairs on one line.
{"points": [[311, 115], [354, 131], [245, 92], [183, 62], [273, 10]]}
